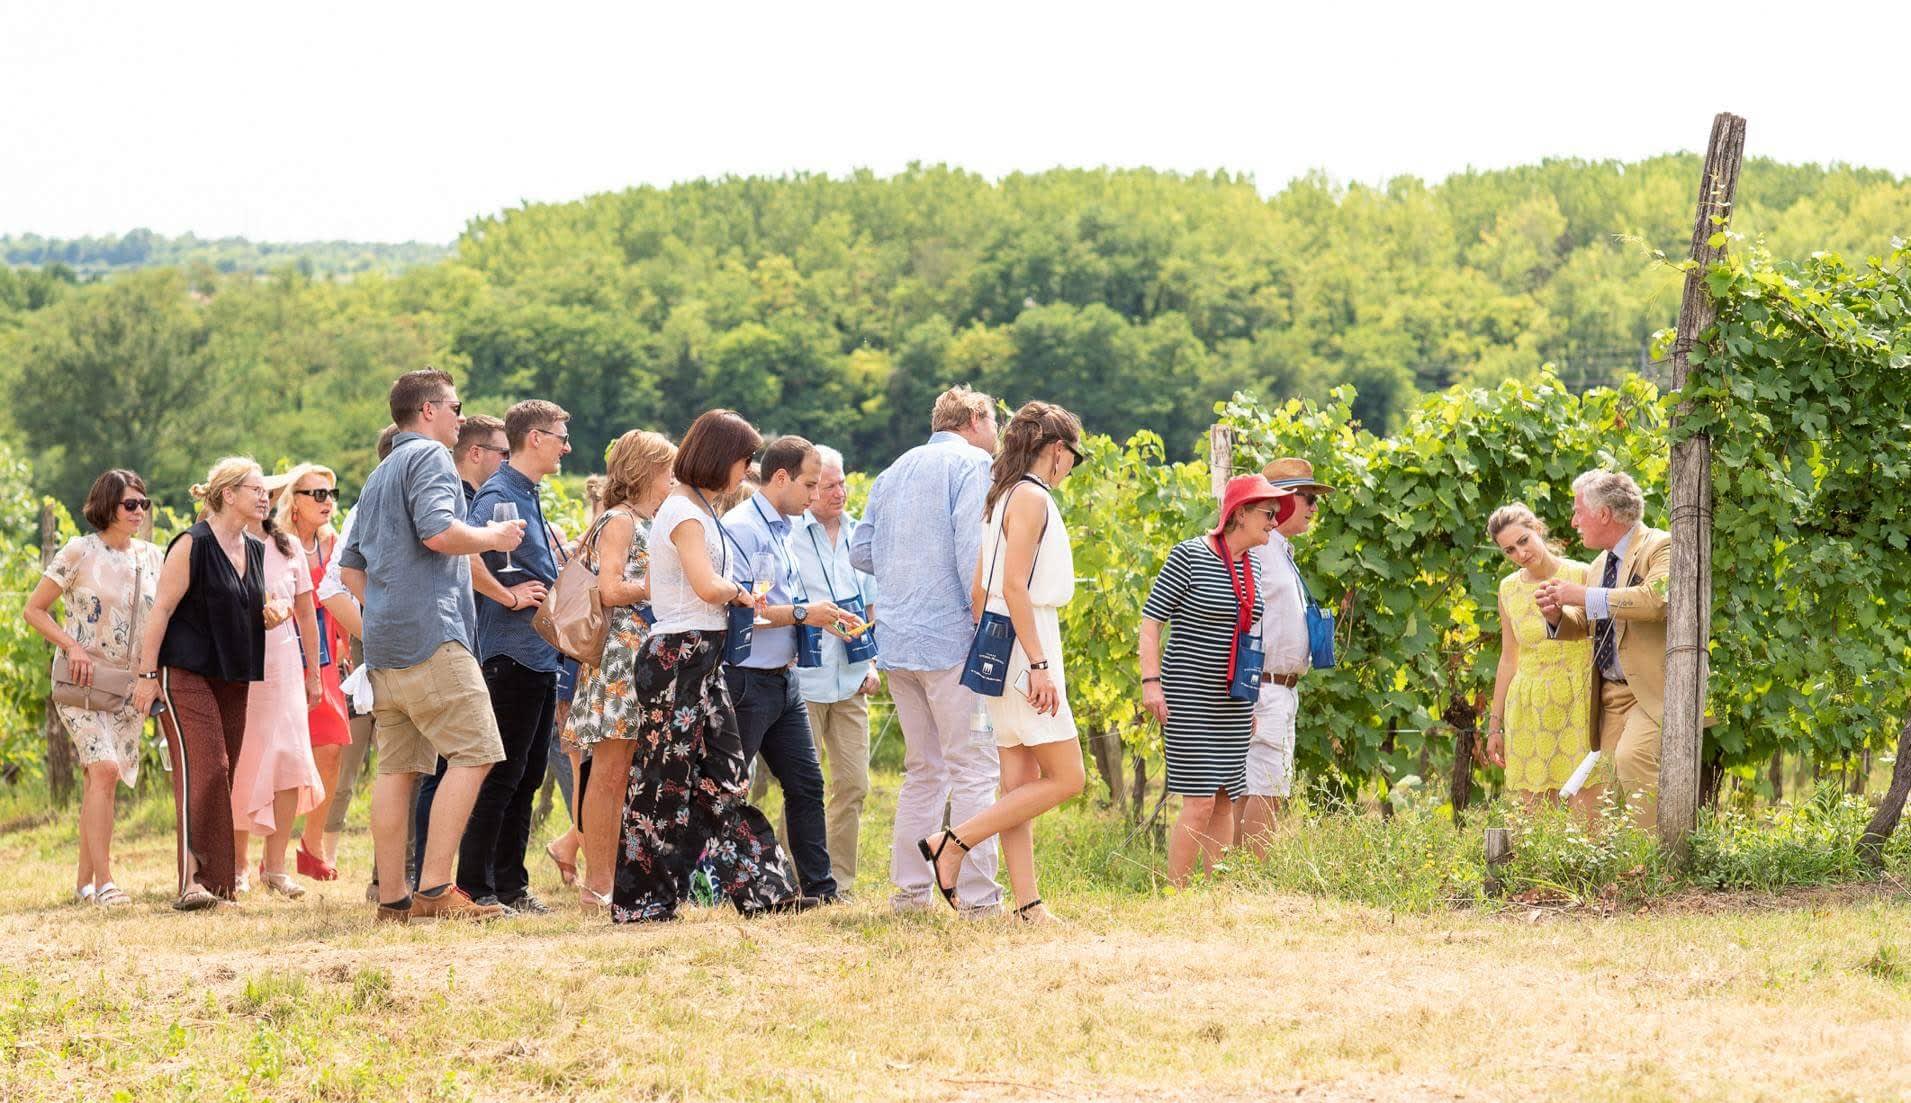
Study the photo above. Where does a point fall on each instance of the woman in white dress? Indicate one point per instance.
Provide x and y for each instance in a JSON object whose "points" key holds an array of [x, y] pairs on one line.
{"points": [[1026, 571], [101, 576]]}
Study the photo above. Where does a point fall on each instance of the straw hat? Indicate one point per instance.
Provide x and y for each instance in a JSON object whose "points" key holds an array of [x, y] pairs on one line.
{"points": [[1294, 474]]}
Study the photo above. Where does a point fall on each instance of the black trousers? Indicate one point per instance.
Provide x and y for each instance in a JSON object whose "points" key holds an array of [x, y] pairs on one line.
{"points": [[491, 855], [775, 724]]}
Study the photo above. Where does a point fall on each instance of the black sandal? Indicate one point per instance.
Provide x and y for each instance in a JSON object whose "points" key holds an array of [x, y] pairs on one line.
{"points": [[1022, 913], [935, 870]]}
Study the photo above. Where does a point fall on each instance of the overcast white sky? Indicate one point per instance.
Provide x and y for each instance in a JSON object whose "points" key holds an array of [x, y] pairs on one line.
{"points": [[399, 120]]}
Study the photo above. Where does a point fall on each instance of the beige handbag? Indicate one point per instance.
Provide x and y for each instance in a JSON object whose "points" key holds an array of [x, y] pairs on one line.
{"points": [[112, 687], [572, 617]]}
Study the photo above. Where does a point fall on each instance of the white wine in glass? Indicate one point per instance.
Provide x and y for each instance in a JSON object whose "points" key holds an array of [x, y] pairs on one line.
{"points": [[506, 511], [763, 571]]}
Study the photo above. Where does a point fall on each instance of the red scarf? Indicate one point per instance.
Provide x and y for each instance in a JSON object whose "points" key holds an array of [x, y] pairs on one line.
{"points": [[1244, 597]]}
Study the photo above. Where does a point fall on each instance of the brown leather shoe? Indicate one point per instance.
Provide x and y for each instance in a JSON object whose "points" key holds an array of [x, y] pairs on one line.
{"points": [[453, 903], [392, 915]]}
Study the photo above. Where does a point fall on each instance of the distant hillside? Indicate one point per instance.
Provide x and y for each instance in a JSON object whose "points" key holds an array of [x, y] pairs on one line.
{"points": [[142, 248]]}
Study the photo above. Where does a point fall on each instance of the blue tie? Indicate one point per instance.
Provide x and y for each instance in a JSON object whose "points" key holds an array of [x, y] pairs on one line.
{"points": [[1605, 647]]}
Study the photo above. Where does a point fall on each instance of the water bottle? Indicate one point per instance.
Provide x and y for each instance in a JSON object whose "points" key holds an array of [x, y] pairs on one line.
{"points": [[981, 728]]}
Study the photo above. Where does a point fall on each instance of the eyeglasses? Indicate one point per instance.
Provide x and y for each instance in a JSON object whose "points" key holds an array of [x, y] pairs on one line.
{"points": [[320, 494], [256, 488], [494, 448], [565, 437], [136, 505], [457, 408]]}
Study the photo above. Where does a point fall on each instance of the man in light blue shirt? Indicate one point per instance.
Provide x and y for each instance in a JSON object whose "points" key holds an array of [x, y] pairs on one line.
{"points": [[920, 536], [770, 713], [837, 692]]}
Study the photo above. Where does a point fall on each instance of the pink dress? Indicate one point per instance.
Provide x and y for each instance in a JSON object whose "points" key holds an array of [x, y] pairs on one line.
{"points": [[277, 753]]}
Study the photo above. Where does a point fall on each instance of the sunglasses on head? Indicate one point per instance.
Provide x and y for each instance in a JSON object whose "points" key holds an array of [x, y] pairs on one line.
{"points": [[136, 505], [320, 494]]}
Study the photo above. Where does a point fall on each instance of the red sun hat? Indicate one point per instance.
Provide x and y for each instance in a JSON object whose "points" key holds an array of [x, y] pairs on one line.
{"points": [[1243, 491]]}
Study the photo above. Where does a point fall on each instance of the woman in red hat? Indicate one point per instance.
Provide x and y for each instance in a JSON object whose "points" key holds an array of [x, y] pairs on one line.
{"points": [[1207, 591]]}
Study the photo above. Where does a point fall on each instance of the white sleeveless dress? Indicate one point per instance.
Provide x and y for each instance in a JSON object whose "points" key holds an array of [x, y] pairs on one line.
{"points": [[1017, 724]]}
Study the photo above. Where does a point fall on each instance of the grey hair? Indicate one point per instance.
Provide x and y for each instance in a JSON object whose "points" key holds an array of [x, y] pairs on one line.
{"points": [[830, 457], [1614, 491]]}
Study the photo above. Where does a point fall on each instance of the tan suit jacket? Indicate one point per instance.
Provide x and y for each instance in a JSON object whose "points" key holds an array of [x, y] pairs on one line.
{"points": [[1637, 605]]}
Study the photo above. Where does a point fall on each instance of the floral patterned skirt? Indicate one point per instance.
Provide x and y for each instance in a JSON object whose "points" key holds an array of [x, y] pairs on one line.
{"points": [[686, 804]]}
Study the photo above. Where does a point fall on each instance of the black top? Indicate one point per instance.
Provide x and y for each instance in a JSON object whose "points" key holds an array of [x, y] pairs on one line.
{"points": [[218, 630]]}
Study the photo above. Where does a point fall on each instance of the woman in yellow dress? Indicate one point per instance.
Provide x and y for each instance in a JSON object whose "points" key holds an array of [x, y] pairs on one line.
{"points": [[1542, 694]]}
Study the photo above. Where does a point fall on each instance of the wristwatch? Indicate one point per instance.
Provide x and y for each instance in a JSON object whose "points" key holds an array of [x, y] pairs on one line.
{"points": [[150, 674], [800, 612]]}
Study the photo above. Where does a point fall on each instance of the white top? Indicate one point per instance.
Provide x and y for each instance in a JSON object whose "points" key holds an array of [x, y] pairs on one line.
{"points": [[1054, 581], [334, 582], [1284, 629], [677, 606]]}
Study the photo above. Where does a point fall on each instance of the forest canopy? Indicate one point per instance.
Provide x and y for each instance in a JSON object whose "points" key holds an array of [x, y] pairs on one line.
{"points": [[838, 307]]}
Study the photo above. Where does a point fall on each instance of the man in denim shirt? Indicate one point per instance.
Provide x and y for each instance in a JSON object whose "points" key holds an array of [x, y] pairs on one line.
{"points": [[520, 669], [770, 714], [920, 536]]}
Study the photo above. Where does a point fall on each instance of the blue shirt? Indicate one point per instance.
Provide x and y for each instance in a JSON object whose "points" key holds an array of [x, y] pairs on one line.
{"points": [[920, 535], [503, 630], [826, 572], [416, 600], [755, 527]]}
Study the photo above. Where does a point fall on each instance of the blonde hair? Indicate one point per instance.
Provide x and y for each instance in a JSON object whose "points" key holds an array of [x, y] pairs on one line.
{"points": [[226, 475], [282, 513], [633, 465], [958, 407]]}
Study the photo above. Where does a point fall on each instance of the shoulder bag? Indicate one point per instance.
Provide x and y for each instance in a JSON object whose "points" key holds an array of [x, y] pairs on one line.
{"points": [[572, 617], [987, 668], [112, 687]]}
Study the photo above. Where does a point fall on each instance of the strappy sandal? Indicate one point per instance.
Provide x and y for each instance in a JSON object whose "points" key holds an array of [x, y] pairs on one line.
{"points": [[195, 898], [84, 894], [1027, 914], [313, 866], [566, 871], [281, 883], [933, 856], [110, 895], [591, 901]]}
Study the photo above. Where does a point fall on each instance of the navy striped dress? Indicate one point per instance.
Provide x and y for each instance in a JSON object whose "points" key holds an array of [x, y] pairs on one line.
{"points": [[1207, 733]]}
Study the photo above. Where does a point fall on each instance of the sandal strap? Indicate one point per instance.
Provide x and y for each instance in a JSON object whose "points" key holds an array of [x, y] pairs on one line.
{"points": [[109, 893], [1035, 903], [957, 839]]}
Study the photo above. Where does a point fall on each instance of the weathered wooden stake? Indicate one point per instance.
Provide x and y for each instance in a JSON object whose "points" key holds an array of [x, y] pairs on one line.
{"points": [[1499, 851], [1220, 458], [1689, 598]]}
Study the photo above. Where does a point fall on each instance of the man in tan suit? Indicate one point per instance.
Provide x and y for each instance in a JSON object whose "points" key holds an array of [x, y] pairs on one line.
{"points": [[1625, 617]]}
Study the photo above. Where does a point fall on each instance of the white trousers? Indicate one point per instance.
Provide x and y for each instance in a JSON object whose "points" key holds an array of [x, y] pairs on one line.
{"points": [[1270, 754], [949, 774]]}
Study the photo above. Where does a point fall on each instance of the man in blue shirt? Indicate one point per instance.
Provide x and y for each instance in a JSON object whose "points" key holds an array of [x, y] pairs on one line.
{"points": [[520, 669], [920, 535], [770, 713]]}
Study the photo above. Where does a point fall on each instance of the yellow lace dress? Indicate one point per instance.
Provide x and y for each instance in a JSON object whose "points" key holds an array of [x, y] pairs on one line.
{"points": [[1549, 703]]}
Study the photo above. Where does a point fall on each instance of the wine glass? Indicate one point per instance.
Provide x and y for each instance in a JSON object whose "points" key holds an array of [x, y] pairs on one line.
{"points": [[763, 571], [506, 511]]}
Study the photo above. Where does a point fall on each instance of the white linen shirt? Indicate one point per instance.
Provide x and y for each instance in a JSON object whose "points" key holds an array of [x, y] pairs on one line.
{"points": [[1285, 625], [837, 679]]}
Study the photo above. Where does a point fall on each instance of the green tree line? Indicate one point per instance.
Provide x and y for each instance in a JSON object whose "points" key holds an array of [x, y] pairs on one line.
{"points": [[142, 248], [838, 307]]}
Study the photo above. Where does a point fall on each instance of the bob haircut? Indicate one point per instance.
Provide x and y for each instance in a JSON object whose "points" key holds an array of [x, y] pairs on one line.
{"points": [[102, 502], [714, 444]]}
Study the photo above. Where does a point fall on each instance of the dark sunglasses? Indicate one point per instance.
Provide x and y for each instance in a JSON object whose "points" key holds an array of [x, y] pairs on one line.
{"points": [[1075, 452], [321, 494], [457, 408], [136, 505], [1307, 496]]}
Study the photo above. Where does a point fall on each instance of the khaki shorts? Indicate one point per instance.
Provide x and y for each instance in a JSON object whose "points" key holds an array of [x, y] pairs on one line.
{"points": [[437, 709]]}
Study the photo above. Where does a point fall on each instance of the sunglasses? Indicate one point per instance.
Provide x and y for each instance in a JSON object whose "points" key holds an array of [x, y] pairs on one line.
{"points": [[1075, 451], [320, 494], [1307, 496], [1270, 512], [457, 408], [136, 505], [565, 437]]}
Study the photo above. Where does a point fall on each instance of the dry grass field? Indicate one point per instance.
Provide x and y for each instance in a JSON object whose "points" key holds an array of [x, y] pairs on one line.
{"points": [[1222, 991]]}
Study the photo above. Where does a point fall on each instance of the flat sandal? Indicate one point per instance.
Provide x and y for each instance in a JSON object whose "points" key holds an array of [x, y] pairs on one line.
{"points": [[933, 856]]}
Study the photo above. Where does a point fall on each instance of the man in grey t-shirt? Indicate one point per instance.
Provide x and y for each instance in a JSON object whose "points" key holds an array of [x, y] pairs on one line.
{"points": [[405, 562]]}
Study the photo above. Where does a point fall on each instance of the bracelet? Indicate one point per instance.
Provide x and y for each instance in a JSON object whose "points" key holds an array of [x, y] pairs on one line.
{"points": [[1156, 678], [1043, 665], [514, 598]]}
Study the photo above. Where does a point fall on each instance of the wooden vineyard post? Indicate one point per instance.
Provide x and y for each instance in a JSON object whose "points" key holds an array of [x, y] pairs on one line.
{"points": [[1689, 597], [1220, 458], [59, 745], [1499, 851]]}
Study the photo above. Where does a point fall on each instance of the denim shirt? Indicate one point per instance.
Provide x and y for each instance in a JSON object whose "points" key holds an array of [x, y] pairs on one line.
{"points": [[503, 630], [827, 574], [920, 534], [416, 600], [757, 526]]}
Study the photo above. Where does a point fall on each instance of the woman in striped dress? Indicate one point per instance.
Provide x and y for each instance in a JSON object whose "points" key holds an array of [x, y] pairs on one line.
{"points": [[1206, 591]]}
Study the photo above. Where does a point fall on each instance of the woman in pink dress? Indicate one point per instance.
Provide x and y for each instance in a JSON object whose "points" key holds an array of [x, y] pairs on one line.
{"points": [[276, 778], [305, 513]]}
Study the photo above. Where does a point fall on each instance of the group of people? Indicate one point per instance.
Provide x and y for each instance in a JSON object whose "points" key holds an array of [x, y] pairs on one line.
{"points": [[740, 602]]}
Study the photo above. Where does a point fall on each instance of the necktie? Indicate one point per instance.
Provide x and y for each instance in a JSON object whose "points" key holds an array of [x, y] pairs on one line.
{"points": [[1605, 647]]}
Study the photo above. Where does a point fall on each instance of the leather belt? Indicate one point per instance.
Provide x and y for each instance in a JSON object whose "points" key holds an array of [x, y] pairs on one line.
{"points": [[1285, 681]]}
